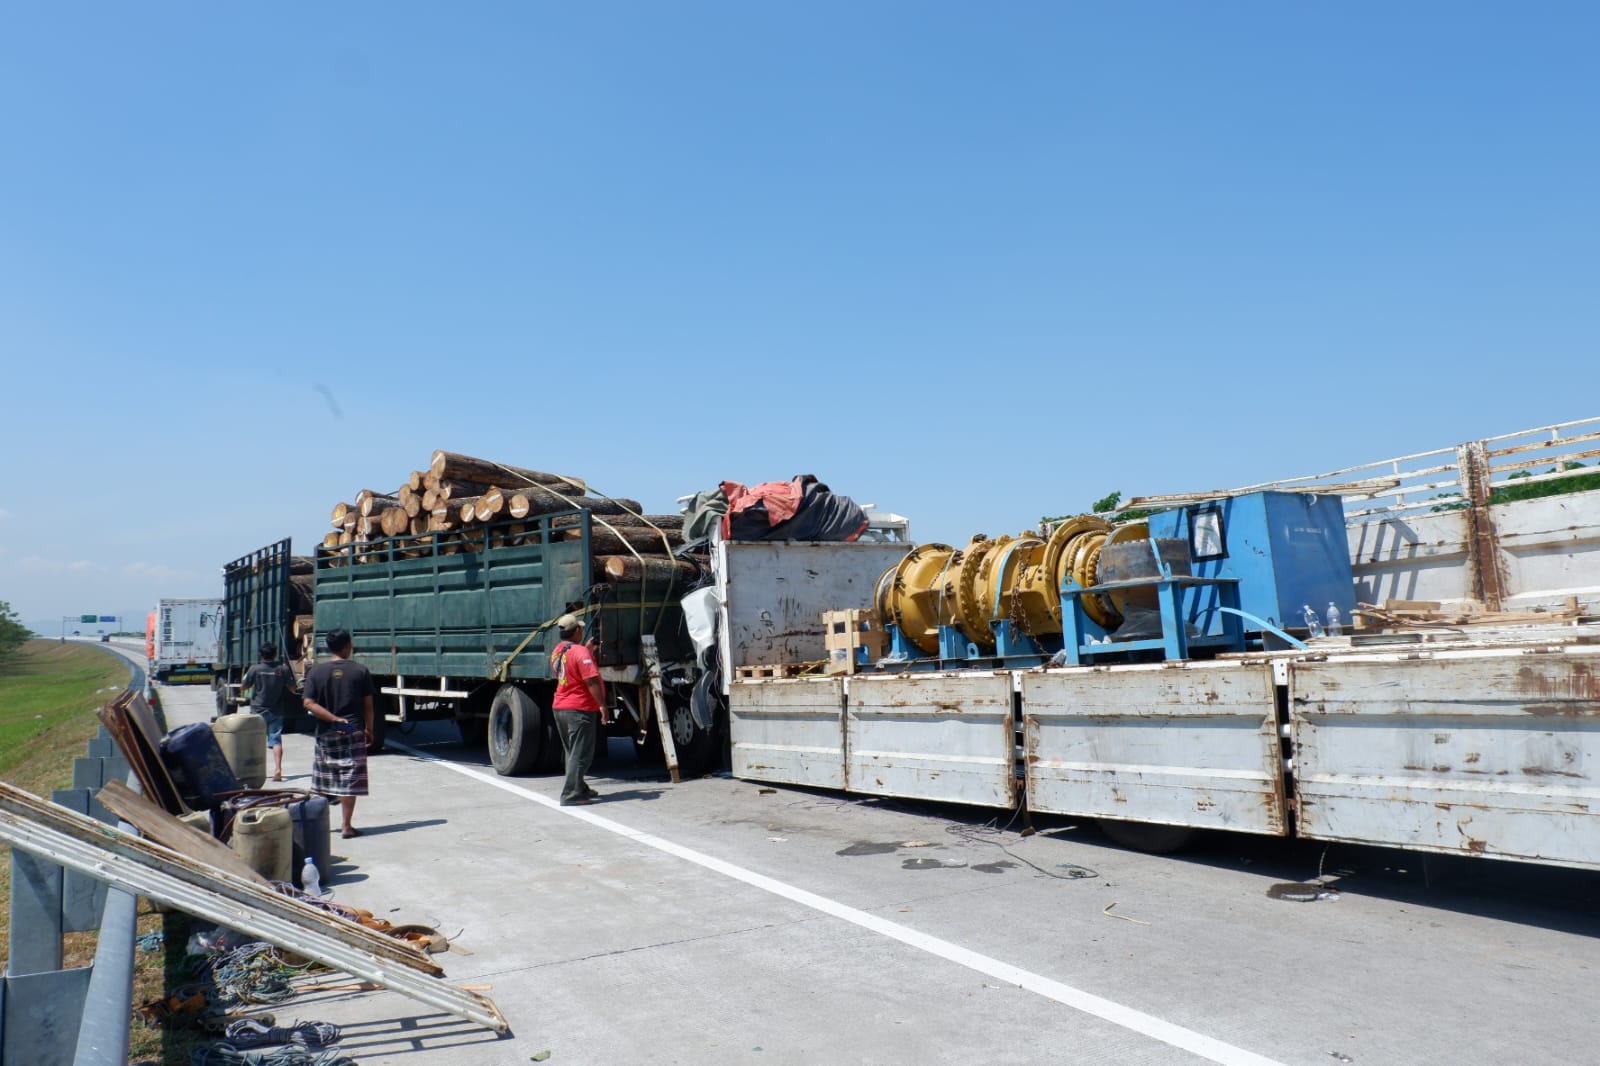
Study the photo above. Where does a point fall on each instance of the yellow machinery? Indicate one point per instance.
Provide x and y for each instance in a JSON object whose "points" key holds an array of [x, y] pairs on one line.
{"points": [[985, 576], [915, 596], [1012, 584]]}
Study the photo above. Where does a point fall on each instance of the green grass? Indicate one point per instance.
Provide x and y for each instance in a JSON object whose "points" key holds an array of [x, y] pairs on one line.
{"points": [[48, 695], [49, 692]]}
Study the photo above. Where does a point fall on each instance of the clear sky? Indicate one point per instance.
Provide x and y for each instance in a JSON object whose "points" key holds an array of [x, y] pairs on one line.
{"points": [[970, 262]]}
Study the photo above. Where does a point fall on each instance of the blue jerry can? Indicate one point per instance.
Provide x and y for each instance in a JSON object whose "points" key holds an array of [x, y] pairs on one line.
{"points": [[198, 768]]}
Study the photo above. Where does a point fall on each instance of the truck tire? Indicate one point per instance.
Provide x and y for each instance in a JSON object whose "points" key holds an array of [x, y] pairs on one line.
{"points": [[1147, 836], [516, 731], [695, 743]]}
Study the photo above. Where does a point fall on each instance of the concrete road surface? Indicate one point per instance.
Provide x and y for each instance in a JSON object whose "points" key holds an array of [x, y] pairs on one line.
{"points": [[718, 921]]}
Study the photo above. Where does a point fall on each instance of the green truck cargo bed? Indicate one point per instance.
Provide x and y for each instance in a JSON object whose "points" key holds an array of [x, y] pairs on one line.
{"points": [[255, 606], [461, 615]]}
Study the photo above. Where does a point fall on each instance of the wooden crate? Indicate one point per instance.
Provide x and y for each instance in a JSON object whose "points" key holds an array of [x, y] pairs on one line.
{"points": [[845, 633]]}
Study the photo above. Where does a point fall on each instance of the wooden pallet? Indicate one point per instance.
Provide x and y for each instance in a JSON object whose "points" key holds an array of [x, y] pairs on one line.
{"points": [[1417, 614]]}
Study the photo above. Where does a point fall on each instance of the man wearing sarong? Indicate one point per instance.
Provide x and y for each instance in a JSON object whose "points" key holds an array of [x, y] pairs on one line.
{"points": [[338, 694]]}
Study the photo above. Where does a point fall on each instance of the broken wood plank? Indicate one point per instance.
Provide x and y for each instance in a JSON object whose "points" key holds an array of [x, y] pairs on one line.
{"points": [[134, 730], [1411, 605], [155, 824], [111, 855]]}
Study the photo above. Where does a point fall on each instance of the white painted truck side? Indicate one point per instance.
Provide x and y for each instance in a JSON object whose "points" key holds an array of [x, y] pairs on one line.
{"points": [[1472, 742], [188, 632], [1482, 751]]}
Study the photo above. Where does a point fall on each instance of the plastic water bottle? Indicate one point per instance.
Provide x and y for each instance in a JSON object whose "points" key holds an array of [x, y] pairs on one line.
{"points": [[1334, 628], [310, 880], [1313, 623]]}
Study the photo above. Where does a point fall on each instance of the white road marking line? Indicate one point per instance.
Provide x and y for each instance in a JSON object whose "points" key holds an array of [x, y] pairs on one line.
{"points": [[1126, 1017]]}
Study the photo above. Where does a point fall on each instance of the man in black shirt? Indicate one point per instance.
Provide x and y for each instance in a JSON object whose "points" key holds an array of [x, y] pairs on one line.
{"points": [[338, 694], [268, 682]]}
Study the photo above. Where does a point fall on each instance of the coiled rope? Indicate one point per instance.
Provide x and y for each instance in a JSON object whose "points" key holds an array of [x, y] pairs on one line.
{"points": [[248, 1033], [253, 973]]}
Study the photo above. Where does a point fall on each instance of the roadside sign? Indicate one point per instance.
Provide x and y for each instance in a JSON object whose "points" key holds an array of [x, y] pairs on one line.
{"points": [[108, 618], [90, 618]]}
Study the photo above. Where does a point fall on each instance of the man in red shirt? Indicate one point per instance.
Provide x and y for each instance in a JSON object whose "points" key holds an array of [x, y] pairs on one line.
{"points": [[580, 706]]}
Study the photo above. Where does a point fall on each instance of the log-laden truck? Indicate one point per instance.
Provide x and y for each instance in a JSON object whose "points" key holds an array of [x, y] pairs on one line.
{"points": [[452, 608]]}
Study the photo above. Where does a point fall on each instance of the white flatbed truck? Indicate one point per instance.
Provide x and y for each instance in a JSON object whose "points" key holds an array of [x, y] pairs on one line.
{"points": [[1473, 740]]}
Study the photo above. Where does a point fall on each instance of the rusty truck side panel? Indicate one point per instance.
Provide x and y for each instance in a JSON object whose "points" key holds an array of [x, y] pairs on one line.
{"points": [[788, 731], [947, 737], [1492, 752], [1191, 744]]}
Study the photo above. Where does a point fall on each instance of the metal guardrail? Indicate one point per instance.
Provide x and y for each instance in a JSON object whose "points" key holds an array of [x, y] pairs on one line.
{"points": [[78, 1016], [1426, 480]]}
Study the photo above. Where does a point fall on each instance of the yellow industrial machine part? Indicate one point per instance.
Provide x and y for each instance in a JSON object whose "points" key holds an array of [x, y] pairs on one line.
{"points": [[1072, 551], [985, 574], [1006, 578], [916, 595]]}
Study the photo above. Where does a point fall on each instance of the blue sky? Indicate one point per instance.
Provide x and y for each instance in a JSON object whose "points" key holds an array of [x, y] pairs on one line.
{"points": [[974, 263]]}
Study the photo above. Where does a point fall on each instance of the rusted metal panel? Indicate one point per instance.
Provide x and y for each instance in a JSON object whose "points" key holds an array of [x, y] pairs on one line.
{"points": [[1483, 546], [944, 737], [1191, 744], [773, 595], [1411, 558], [1544, 550], [1491, 752], [1550, 549], [788, 731]]}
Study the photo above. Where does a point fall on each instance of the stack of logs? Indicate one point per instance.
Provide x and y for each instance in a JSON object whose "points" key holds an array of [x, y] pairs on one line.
{"points": [[462, 504], [300, 602]]}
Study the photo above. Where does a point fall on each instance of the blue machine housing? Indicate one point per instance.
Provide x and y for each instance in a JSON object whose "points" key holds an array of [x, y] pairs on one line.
{"points": [[1287, 550]]}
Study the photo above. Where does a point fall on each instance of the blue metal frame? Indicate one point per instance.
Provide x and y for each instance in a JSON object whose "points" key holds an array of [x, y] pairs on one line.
{"points": [[1013, 649], [1174, 642]]}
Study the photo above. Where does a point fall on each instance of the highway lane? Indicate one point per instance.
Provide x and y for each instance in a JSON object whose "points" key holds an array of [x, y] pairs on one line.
{"points": [[720, 921], [131, 651]]}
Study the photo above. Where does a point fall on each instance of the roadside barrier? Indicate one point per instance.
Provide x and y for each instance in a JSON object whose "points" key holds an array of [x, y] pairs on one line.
{"points": [[79, 1016]]}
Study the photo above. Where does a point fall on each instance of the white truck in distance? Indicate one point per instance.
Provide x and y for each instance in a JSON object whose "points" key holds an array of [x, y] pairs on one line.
{"points": [[184, 638]]}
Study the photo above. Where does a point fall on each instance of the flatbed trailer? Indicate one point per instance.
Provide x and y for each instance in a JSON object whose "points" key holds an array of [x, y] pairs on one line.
{"points": [[1473, 740], [1489, 748]]}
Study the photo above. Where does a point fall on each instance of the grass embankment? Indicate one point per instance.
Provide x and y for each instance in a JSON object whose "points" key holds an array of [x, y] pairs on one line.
{"points": [[48, 695], [49, 692]]}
